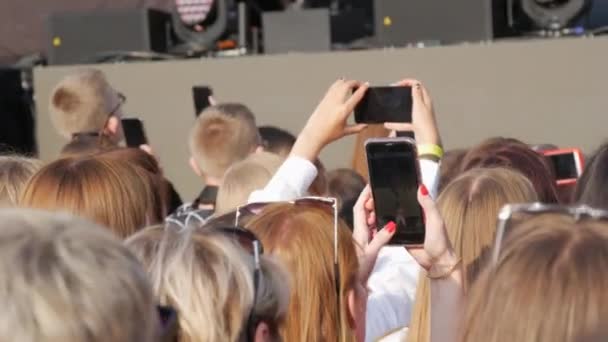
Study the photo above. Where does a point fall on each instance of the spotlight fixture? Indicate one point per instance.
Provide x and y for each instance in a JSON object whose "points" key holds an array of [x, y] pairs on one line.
{"points": [[554, 15]]}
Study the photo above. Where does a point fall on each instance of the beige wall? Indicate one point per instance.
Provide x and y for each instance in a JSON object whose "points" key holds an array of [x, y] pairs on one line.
{"points": [[539, 91]]}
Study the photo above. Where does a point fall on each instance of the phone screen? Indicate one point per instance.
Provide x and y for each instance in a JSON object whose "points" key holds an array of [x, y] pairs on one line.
{"points": [[134, 132], [564, 165], [200, 97], [385, 104], [393, 171]]}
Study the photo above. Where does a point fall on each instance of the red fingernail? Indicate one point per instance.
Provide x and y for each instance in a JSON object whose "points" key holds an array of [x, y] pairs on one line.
{"points": [[423, 190], [390, 227]]}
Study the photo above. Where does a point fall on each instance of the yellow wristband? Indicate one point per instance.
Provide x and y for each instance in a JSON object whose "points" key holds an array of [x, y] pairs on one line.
{"points": [[430, 149]]}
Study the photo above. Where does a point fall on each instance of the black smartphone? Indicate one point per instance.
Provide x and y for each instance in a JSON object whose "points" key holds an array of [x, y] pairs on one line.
{"points": [[385, 104], [394, 178], [200, 97], [135, 135]]}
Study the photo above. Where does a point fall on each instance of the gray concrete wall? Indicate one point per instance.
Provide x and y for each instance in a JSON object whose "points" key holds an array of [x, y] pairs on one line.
{"points": [[538, 91]]}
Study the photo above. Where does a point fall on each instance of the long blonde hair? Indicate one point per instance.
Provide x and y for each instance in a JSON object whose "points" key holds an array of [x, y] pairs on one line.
{"points": [[209, 281], [549, 284], [302, 237], [470, 205], [15, 172]]}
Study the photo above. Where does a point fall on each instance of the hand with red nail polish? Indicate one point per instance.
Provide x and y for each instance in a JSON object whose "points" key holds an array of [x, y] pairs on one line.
{"points": [[437, 246], [364, 225]]}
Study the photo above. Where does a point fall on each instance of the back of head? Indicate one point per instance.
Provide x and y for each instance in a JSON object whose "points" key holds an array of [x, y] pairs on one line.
{"points": [[345, 185], [15, 172], [222, 135], [71, 282], [591, 186], [277, 140], [82, 102], [514, 154], [450, 166], [302, 237], [209, 280], [86, 145], [112, 193], [243, 178], [470, 205], [549, 284]]}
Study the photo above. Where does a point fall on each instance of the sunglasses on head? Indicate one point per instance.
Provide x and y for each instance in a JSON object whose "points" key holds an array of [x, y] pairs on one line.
{"points": [[511, 214], [326, 203]]}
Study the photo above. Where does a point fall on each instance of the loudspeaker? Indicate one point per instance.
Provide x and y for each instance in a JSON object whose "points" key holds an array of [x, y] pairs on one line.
{"points": [[78, 37], [401, 22], [296, 31], [17, 128]]}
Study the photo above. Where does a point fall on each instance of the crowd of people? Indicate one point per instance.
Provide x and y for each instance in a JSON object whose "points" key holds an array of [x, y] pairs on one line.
{"points": [[97, 245]]}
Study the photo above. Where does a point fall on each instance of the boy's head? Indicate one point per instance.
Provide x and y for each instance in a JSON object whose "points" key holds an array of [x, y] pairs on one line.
{"points": [[222, 135], [84, 102]]}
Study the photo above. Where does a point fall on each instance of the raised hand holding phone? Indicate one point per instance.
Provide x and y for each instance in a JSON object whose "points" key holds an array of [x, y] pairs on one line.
{"points": [[365, 234], [329, 120], [424, 123]]}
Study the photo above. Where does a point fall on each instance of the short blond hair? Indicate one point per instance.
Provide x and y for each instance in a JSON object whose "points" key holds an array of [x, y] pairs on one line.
{"points": [[222, 135], [66, 279], [209, 280], [243, 178], [82, 102], [15, 172]]}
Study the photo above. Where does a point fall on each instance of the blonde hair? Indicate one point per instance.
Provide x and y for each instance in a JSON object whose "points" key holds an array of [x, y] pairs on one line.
{"points": [[66, 279], [243, 178], [115, 194], [15, 172], [222, 135], [549, 284], [82, 102], [209, 281], [469, 205], [302, 237]]}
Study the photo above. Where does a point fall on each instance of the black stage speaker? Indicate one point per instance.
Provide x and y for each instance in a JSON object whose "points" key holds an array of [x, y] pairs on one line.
{"points": [[78, 37], [296, 31], [401, 22], [17, 128]]}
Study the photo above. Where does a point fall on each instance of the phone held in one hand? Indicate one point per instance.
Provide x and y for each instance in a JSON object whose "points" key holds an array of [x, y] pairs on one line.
{"points": [[135, 135], [568, 164], [200, 97], [385, 104], [394, 177]]}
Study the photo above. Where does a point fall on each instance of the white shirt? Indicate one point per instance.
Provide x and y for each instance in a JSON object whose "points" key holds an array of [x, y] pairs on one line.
{"points": [[395, 276]]}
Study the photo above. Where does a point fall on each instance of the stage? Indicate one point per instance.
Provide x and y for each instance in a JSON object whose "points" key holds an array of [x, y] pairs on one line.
{"points": [[541, 91]]}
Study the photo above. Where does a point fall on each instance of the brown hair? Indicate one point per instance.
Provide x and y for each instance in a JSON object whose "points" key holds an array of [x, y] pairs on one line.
{"points": [[66, 279], [222, 135], [449, 168], [359, 160], [469, 206], [549, 284], [113, 193], [302, 237], [15, 172], [345, 185], [514, 154], [82, 102]]}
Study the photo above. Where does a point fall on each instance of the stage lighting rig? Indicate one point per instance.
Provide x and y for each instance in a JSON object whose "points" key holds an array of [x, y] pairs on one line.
{"points": [[551, 17]]}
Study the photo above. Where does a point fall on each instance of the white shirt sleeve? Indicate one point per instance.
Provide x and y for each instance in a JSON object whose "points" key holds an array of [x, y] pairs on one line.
{"points": [[429, 170], [291, 181]]}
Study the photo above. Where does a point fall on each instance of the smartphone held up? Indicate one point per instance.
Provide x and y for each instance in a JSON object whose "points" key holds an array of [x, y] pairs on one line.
{"points": [[394, 177], [385, 104], [135, 136], [567, 163]]}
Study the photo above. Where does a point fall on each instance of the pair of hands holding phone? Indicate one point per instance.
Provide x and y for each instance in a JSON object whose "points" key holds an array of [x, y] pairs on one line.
{"points": [[329, 123]]}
